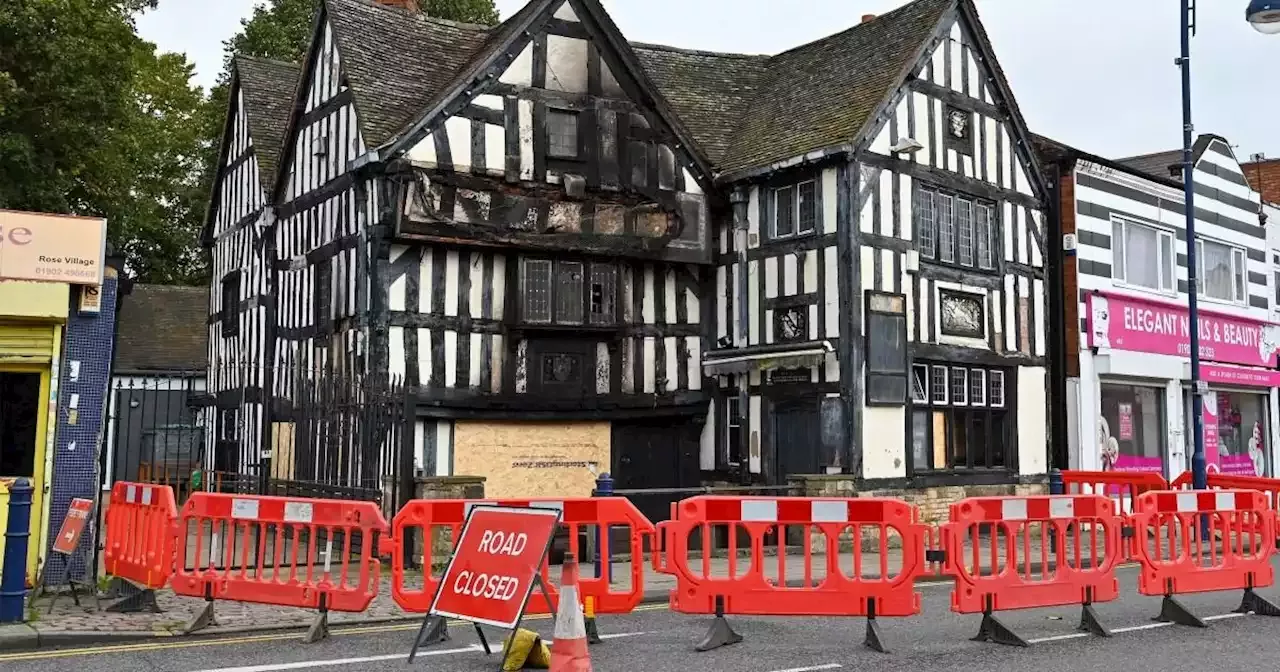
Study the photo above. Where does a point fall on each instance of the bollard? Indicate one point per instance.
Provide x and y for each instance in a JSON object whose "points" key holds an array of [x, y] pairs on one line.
{"points": [[13, 572], [604, 568], [1056, 487]]}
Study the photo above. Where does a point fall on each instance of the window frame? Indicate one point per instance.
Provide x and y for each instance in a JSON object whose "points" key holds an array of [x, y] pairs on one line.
{"points": [[576, 115], [940, 228], [995, 421], [1239, 274], [230, 322], [733, 428], [1120, 275], [793, 210], [588, 272]]}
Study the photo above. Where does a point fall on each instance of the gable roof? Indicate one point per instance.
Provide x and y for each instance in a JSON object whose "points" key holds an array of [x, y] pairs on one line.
{"points": [[1055, 152], [397, 60], [1159, 163], [823, 93], [710, 92], [162, 328], [268, 89]]}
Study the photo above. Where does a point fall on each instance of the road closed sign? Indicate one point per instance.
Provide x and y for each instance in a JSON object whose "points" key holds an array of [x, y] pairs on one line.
{"points": [[494, 565]]}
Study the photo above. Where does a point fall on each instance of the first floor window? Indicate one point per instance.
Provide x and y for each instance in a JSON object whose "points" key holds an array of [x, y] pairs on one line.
{"points": [[230, 304], [1222, 271], [562, 134], [568, 292], [1142, 255], [954, 228], [795, 209], [964, 423]]}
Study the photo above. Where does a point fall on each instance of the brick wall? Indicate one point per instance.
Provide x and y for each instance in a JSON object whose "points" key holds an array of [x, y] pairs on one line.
{"points": [[1264, 177], [86, 344]]}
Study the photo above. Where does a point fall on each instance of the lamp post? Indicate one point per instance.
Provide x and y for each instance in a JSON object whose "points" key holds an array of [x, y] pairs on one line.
{"points": [[1264, 16]]}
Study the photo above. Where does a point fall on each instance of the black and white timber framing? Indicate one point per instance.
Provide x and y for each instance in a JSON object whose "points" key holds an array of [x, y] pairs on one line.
{"points": [[542, 221]]}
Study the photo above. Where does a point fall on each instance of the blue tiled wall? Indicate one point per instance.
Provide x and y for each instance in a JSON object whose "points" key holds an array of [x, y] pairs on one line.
{"points": [[87, 340]]}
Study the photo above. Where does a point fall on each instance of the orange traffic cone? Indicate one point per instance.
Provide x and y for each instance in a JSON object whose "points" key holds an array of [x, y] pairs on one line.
{"points": [[569, 650]]}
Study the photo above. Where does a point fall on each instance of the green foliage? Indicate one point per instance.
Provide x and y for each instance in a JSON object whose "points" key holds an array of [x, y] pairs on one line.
{"points": [[94, 122]]}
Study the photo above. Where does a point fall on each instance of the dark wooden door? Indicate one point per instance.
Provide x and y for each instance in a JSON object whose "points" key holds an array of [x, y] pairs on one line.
{"points": [[797, 440], [658, 453]]}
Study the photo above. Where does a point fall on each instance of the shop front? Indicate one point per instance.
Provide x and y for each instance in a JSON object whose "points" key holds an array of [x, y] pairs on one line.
{"points": [[41, 257], [1134, 395]]}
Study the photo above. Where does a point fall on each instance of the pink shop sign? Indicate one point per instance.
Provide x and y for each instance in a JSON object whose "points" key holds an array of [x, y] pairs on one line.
{"points": [[1233, 375], [1141, 325]]}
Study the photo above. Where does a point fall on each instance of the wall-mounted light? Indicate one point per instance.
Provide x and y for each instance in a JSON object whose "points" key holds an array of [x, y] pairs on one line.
{"points": [[906, 146]]}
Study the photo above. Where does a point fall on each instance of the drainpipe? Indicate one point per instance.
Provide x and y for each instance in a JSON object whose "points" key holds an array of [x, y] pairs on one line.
{"points": [[740, 198]]}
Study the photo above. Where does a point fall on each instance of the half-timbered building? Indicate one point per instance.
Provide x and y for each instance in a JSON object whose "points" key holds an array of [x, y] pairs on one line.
{"points": [[1125, 326], [585, 254], [243, 291]]}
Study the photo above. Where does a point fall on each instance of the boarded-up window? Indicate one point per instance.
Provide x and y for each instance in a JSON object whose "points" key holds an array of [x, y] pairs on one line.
{"points": [[886, 349]]}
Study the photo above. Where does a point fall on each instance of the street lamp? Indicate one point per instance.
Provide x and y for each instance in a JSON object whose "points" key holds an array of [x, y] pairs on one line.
{"points": [[1264, 15]]}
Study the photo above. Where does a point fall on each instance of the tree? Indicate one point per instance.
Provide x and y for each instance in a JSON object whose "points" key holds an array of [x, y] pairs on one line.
{"points": [[95, 122]]}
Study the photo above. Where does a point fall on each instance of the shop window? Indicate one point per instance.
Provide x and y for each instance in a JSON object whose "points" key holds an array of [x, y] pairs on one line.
{"points": [[1130, 431], [1134, 247], [1237, 424], [960, 419], [1221, 269]]}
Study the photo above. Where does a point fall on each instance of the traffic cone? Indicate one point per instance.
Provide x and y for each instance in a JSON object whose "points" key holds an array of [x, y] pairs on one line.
{"points": [[569, 650]]}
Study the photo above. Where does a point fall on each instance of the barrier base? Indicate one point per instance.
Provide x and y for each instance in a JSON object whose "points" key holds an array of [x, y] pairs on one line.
{"points": [[1089, 622], [319, 629], [593, 633], [203, 619], [992, 630], [872, 640], [1173, 611], [719, 634], [135, 602], [1253, 603]]}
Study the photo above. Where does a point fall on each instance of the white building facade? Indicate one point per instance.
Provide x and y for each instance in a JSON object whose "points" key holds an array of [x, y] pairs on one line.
{"points": [[1128, 390]]}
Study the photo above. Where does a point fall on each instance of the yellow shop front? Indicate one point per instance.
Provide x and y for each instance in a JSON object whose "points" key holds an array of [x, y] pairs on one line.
{"points": [[40, 257]]}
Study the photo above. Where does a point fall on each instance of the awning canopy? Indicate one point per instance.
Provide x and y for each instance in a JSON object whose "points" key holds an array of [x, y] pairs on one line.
{"points": [[766, 357]]}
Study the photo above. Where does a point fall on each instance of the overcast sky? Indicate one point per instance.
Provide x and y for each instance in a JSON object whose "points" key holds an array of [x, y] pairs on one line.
{"points": [[1096, 74]]}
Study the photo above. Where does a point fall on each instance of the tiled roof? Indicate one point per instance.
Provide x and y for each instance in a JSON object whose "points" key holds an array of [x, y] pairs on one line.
{"points": [[268, 89], [397, 61], [743, 110], [1156, 164], [821, 94], [1051, 151], [710, 92], [162, 328]]}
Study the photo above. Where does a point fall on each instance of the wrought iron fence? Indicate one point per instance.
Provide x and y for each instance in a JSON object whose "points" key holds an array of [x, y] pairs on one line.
{"points": [[325, 434]]}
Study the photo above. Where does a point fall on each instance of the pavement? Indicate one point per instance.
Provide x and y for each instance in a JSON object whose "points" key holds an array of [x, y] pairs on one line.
{"points": [[652, 639]]}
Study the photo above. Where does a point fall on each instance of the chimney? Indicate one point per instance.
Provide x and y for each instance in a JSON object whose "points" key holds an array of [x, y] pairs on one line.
{"points": [[408, 5], [867, 18]]}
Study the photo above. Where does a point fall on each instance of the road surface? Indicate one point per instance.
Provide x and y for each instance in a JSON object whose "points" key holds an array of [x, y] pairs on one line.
{"points": [[656, 640]]}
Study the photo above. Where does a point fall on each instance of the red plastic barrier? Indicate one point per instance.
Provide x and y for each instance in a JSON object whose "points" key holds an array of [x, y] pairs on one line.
{"points": [[1267, 486], [430, 518], [140, 533], [1123, 486], [841, 592], [279, 550], [1177, 557], [1030, 552]]}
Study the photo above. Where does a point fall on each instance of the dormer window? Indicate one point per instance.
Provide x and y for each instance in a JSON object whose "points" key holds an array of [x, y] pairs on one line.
{"points": [[562, 134]]}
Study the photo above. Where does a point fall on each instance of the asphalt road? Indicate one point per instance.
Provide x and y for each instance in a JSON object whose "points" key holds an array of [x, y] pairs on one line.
{"points": [[655, 640]]}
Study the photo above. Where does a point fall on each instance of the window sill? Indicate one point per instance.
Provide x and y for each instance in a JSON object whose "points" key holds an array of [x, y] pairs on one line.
{"points": [[566, 328], [1229, 303], [957, 266], [771, 238], [1145, 290]]}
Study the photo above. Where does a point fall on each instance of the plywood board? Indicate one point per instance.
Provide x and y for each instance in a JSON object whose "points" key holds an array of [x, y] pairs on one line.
{"points": [[532, 459]]}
